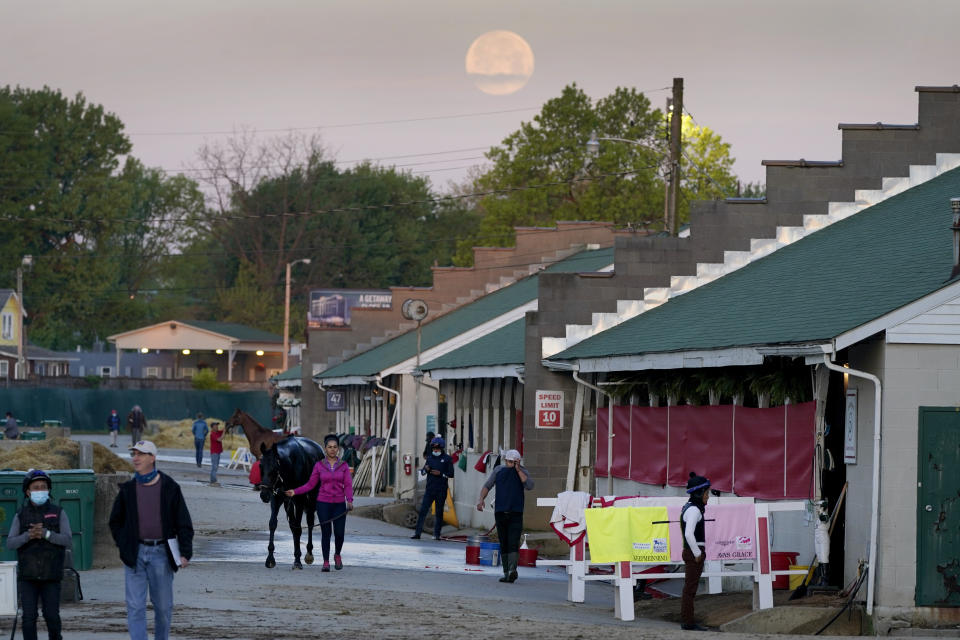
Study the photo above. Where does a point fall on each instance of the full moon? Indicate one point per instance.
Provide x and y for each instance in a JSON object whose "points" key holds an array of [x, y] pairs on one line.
{"points": [[499, 62]]}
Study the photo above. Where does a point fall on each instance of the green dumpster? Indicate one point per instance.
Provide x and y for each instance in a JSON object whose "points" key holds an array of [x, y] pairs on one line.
{"points": [[74, 490], [33, 435], [48, 422]]}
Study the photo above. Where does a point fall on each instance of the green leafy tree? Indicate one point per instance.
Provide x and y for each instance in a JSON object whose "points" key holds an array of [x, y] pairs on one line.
{"points": [[542, 172], [95, 231], [273, 203]]}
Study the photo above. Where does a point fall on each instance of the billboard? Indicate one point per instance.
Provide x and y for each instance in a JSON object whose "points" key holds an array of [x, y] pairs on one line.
{"points": [[330, 308]]}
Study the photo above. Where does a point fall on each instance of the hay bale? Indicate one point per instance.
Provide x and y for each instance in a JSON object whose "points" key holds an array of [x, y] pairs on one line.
{"points": [[60, 453], [177, 434]]}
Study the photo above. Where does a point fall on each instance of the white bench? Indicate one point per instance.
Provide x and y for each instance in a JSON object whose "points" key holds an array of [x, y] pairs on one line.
{"points": [[624, 578]]}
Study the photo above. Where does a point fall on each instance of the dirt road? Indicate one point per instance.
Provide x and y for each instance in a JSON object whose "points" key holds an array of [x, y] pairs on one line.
{"points": [[391, 587]]}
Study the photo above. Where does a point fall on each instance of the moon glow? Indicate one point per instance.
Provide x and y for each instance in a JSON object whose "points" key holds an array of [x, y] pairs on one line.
{"points": [[499, 62]]}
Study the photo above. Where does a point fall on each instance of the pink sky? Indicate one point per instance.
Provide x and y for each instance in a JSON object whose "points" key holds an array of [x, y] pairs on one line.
{"points": [[773, 78]]}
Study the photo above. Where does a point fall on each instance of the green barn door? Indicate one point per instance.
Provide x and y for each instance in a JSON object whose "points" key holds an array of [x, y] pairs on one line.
{"points": [[938, 508]]}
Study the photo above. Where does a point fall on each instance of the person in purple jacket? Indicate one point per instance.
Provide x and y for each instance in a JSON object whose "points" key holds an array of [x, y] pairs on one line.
{"points": [[334, 498]]}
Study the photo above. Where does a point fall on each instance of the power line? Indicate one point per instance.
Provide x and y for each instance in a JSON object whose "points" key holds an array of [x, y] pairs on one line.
{"points": [[357, 209], [147, 291], [343, 125]]}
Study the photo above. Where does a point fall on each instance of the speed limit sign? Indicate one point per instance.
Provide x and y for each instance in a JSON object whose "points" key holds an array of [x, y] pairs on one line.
{"points": [[549, 409]]}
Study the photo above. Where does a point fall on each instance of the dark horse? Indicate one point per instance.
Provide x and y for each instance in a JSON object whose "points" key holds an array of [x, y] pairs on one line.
{"points": [[287, 465]]}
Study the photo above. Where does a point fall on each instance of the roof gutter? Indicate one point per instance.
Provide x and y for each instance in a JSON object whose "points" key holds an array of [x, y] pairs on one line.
{"points": [[609, 428], [875, 490]]}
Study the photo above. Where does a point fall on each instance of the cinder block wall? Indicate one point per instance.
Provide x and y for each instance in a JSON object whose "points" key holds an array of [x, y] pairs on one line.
{"points": [[914, 376]]}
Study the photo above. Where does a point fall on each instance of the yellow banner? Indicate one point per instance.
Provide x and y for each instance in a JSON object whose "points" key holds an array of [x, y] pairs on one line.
{"points": [[628, 534]]}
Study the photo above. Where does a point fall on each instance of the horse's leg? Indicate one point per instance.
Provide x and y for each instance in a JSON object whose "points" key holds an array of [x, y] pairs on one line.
{"points": [[274, 508], [294, 518], [311, 509]]}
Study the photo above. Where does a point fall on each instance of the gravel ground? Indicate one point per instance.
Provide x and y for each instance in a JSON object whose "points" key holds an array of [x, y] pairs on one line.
{"points": [[228, 593]]}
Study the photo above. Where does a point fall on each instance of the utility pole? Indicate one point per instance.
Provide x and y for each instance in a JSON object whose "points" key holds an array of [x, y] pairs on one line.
{"points": [[676, 123], [286, 320], [286, 311], [20, 373]]}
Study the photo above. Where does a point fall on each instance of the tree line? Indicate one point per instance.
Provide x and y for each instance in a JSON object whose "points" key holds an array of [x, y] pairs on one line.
{"points": [[117, 244]]}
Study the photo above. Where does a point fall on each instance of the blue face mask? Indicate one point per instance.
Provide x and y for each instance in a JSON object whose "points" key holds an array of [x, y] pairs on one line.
{"points": [[39, 497], [437, 453]]}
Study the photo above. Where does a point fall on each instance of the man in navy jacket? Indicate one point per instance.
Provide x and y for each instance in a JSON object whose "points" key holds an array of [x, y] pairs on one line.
{"points": [[438, 467], [152, 528]]}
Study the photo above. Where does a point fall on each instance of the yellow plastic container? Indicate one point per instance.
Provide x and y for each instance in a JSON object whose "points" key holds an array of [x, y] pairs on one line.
{"points": [[797, 579]]}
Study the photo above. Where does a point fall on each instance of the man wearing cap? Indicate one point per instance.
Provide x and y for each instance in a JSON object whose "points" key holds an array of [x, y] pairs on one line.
{"points": [[694, 546], [151, 526], [510, 480]]}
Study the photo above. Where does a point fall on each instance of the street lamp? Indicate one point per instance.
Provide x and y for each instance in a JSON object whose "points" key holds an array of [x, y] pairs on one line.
{"points": [[672, 175], [21, 372], [286, 311]]}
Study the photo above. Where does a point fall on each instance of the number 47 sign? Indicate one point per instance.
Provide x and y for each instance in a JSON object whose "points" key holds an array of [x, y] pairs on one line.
{"points": [[549, 409]]}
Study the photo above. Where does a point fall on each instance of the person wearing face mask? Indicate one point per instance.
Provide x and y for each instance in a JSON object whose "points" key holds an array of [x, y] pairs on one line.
{"points": [[113, 424], [40, 533], [438, 468]]}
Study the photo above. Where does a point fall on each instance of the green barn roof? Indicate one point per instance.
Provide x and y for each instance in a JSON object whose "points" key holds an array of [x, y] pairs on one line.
{"points": [[503, 346], [461, 320], [830, 282]]}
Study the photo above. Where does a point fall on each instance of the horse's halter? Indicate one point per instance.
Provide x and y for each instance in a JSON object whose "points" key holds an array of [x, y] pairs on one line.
{"points": [[274, 486]]}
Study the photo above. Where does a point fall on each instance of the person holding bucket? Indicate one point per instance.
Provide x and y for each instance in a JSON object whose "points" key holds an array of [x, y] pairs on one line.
{"points": [[510, 481]]}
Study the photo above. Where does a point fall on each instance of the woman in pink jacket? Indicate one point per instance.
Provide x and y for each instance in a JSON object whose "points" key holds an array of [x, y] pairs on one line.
{"points": [[334, 498]]}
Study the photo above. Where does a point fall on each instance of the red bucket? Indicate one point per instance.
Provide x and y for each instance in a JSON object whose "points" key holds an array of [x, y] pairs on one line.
{"points": [[528, 558], [473, 554], [781, 561]]}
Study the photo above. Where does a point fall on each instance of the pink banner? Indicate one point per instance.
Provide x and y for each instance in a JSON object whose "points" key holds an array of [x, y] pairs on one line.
{"points": [[731, 534], [801, 440], [621, 441], [759, 458], [701, 440], [764, 453], [648, 445]]}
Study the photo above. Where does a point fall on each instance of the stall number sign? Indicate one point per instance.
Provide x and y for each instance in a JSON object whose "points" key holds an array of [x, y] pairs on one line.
{"points": [[336, 401], [549, 409]]}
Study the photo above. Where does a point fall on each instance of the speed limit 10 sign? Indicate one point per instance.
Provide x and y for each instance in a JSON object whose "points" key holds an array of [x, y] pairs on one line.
{"points": [[549, 409]]}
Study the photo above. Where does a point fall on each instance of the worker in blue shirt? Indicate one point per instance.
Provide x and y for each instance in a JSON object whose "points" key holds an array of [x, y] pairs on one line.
{"points": [[438, 467], [200, 431], [510, 481]]}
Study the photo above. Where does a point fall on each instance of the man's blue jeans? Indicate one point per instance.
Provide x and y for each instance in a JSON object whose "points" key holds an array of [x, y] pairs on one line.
{"points": [[214, 463], [198, 444], [153, 571]]}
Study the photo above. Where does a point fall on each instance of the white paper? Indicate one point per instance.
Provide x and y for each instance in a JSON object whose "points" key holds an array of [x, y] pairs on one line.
{"points": [[174, 545]]}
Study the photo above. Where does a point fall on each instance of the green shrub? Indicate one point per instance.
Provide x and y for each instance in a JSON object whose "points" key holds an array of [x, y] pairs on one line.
{"points": [[92, 380], [206, 380]]}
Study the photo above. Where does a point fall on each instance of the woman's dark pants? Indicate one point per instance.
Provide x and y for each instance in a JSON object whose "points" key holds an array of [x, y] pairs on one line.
{"points": [[47, 593], [691, 580], [327, 511]]}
